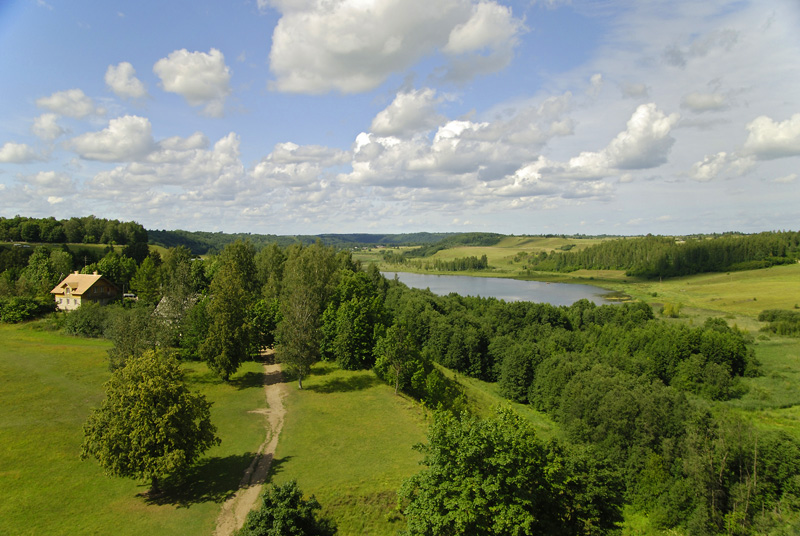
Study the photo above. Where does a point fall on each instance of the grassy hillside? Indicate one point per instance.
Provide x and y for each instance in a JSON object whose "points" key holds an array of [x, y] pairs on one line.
{"points": [[347, 440], [48, 384]]}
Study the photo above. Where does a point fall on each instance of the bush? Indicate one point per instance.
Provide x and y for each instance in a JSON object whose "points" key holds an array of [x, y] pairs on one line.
{"points": [[284, 512], [19, 308], [88, 320]]}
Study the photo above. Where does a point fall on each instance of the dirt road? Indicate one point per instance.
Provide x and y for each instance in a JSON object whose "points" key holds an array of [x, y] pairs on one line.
{"points": [[235, 509]]}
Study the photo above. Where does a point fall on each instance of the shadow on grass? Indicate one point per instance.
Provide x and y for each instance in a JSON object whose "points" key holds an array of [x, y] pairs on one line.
{"points": [[209, 480], [248, 380], [322, 370], [344, 385]]}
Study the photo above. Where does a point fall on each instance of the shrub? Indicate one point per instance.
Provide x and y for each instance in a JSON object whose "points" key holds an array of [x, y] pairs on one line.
{"points": [[88, 320]]}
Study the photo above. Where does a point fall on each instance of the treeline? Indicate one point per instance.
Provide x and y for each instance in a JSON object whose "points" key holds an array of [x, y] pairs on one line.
{"points": [[84, 230], [201, 243], [461, 264], [659, 256]]}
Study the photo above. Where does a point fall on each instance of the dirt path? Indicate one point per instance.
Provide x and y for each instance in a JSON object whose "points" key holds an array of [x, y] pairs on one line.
{"points": [[236, 508]]}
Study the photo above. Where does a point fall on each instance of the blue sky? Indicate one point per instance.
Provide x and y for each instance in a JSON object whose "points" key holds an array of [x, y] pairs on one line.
{"points": [[316, 116]]}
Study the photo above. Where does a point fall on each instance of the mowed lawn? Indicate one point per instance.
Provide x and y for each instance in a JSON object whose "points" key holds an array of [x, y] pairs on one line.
{"points": [[347, 440], [48, 384]]}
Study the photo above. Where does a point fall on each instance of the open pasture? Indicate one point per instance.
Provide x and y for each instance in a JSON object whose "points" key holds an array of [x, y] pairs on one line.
{"points": [[48, 385], [347, 440]]}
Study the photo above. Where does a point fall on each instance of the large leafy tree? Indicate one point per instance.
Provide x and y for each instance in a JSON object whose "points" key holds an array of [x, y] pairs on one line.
{"points": [[494, 477], [149, 425]]}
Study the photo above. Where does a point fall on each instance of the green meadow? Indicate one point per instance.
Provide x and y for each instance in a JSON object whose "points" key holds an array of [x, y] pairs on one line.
{"points": [[48, 385], [347, 439]]}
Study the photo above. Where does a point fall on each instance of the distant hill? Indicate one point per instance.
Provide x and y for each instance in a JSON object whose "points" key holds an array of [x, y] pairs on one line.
{"points": [[202, 242]]}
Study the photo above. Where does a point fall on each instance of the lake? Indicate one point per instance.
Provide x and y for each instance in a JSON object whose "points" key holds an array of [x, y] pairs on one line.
{"points": [[504, 289]]}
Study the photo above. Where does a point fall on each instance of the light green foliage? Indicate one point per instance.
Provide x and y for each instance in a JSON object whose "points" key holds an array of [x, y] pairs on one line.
{"points": [[398, 356], [269, 265], [133, 331], [230, 337], [119, 269], [149, 425], [494, 477], [308, 283], [284, 512]]}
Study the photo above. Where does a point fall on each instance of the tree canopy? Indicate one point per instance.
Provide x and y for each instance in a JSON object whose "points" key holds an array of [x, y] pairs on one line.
{"points": [[149, 425]]}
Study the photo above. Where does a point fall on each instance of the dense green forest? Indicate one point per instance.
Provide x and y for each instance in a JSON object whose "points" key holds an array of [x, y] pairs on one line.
{"points": [[660, 256], [85, 230]]}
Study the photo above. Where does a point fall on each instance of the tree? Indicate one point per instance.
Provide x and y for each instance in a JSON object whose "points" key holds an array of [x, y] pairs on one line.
{"points": [[145, 281], [494, 477], [230, 333], [397, 351], [149, 425], [308, 283], [284, 512]]}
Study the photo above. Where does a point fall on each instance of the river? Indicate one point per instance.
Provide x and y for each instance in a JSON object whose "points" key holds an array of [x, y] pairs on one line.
{"points": [[505, 289]]}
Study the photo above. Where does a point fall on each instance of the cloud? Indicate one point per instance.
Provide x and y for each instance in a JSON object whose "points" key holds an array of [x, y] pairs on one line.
{"points": [[704, 102], [786, 179], [50, 183], [126, 138], [47, 128], [483, 44], [633, 91], [409, 113], [198, 140], [768, 140], [71, 103], [202, 79], [203, 175], [701, 46], [352, 46], [121, 79], [17, 153], [710, 167], [644, 144]]}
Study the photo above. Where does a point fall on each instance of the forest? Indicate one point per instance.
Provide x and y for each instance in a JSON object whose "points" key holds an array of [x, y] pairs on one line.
{"points": [[635, 397], [661, 257]]}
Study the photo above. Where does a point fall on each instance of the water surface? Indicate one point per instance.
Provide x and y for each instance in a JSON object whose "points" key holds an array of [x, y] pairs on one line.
{"points": [[504, 289]]}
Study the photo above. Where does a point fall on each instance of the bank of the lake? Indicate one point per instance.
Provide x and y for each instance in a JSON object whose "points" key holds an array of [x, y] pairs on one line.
{"points": [[506, 289]]}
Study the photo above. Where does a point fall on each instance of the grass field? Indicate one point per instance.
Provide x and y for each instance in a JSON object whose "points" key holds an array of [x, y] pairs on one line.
{"points": [[48, 384], [347, 440]]}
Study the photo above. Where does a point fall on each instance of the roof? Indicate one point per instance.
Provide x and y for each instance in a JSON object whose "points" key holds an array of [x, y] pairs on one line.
{"points": [[79, 283]]}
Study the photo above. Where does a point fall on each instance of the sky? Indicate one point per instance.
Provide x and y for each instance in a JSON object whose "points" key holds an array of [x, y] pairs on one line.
{"points": [[390, 116]]}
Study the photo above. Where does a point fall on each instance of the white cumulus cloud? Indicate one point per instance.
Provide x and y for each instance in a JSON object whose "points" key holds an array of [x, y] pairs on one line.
{"points": [[71, 103], [17, 153], [46, 127], [352, 46], [121, 79], [126, 138], [410, 112], [769, 139], [202, 79]]}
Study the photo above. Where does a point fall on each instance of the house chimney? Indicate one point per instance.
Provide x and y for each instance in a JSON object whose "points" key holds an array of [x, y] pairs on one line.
{"points": [[94, 273]]}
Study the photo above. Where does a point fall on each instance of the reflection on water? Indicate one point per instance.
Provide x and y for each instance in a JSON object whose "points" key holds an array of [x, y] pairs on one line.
{"points": [[505, 289]]}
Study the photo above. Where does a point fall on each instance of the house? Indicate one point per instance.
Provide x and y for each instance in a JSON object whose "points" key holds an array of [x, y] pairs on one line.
{"points": [[78, 288]]}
